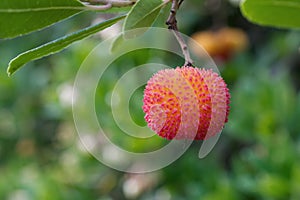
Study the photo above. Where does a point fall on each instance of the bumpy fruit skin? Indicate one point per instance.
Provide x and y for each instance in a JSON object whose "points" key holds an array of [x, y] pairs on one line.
{"points": [[186, 103]]}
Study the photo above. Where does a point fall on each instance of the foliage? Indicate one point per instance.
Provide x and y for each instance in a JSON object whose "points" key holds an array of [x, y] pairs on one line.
{"points": [[137, 18], [257, 156], [142, 14], [48, 12], [28, 16], [278, 13], [57, 45]]}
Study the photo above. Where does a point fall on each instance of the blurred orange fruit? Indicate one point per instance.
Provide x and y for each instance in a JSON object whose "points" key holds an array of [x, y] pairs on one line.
{"points": [[222, 43]]}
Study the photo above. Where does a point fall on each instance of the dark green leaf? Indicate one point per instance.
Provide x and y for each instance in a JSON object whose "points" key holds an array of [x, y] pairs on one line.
{"points": [[143, 14], [277, 13], [57, 45], [19, 17]]}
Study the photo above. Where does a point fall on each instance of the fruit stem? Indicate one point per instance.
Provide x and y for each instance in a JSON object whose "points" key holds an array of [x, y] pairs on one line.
{"points": [[172, 25]]}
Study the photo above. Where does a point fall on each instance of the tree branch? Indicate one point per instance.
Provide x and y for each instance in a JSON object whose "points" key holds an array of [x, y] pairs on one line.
{"points": [[172, 25]]}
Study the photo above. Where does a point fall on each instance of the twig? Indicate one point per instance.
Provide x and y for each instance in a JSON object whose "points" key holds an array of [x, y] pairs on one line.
{"points": [[96, 7], [172, 25], [107, 4], [180, 2]]}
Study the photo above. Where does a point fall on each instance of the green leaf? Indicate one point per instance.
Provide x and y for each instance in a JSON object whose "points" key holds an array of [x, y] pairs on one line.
{"points": [[57, 45], [277, 13], [18, 17], [116, 43], [116, 10], [143, 14]]}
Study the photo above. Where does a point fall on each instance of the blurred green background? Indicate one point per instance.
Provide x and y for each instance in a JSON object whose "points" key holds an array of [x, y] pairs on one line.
{"points": [[257, 156]]}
